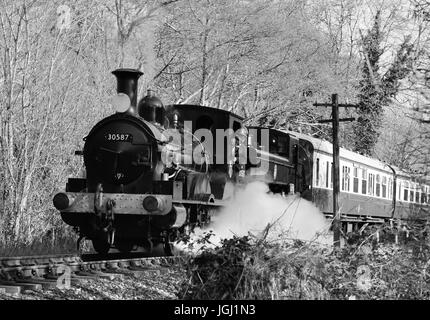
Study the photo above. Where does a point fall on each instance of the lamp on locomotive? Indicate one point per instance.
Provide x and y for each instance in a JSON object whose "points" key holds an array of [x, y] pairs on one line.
{"points": [[121, 102]]}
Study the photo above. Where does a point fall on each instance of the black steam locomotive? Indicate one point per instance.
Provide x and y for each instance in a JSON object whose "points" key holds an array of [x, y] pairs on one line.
{"points": [[143, 189], [150, 176]]}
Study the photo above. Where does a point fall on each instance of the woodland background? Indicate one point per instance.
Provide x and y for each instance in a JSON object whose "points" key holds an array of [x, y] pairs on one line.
{"points": [[267, 60]]}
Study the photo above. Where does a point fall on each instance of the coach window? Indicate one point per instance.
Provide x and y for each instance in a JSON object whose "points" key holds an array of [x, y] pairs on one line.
{"points": [[417, 194], [348, 179], [345, 178], [378, 185], [327, 174], [355, 181], [423, 194], [427, 197], [384, 187], [322, 174], [342, 178], [318, 172], [390, 188], [428, 194], [371, 186], [399, 190], [405, 190], [411, 192], [331, 175], [364, 181]]}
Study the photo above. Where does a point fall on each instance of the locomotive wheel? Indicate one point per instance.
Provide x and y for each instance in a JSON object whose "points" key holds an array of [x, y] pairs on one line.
{"points": [[124, 247], [101, 247]]}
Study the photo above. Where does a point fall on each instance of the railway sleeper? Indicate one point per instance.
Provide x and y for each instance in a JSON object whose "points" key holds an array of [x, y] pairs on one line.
{"points": [[84, 275], [97, 274], [11, 263], [124, 271], [152, 272], [24, 285], [46, 283], [142, 268], [12, 290], [56, 277]]}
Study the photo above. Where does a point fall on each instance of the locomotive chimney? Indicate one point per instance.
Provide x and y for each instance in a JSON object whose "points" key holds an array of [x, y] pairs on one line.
{"points": [[127, 80]]}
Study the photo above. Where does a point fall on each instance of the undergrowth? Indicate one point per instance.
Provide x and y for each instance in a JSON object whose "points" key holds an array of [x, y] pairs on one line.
{"points": [[42, 247], [250, 268]]}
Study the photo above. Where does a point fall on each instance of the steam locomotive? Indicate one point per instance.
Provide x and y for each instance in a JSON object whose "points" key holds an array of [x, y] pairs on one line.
{"points": [[131, 196], [151, 177]]}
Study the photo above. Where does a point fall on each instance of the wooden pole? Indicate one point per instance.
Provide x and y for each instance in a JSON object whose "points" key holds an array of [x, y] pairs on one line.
{"points": [[336, 189], [336, 174]]}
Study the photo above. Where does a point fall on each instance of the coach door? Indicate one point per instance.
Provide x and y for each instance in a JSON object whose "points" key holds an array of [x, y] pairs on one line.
{"points": [[303, 156]]}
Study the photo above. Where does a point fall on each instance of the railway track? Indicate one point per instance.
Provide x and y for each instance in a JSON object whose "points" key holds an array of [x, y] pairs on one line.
{"points": [[18, 274]]}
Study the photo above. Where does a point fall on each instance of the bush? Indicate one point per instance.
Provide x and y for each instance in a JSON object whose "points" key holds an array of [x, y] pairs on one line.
{"points": [[247, 268]]}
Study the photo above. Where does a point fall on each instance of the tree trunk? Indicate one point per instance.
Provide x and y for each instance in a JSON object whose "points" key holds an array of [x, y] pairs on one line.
{"points": [[204, 63]]}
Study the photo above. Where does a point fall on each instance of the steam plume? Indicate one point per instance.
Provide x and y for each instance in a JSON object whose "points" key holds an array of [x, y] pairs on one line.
{"points": [[253, 210]]}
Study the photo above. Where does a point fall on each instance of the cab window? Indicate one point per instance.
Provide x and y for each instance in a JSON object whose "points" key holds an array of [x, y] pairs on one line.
{"points": [[279, 145]]}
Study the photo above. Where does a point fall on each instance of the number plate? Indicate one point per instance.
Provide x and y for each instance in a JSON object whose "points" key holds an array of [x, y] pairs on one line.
{"points": [[123, 137]]}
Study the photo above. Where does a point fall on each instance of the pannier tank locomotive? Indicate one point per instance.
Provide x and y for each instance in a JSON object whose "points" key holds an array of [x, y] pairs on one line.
{"points": [[130, 197]]}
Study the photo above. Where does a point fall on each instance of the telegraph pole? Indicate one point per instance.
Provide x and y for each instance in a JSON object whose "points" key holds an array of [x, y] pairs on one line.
{"points": [[336, 189]]}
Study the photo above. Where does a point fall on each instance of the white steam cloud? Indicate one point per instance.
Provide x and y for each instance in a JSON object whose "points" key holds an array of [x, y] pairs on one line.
{"points": [[253, 209]]}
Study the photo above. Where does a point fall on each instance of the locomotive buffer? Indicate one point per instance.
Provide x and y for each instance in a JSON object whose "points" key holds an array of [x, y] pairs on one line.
{"points": [[335, 124]]}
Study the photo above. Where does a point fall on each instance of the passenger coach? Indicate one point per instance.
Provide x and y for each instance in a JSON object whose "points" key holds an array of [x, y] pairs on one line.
{"points": [[370, 190]]}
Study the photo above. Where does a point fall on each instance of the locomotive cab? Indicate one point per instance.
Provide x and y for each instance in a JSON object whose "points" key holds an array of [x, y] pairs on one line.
{"points": [[217, 132]]}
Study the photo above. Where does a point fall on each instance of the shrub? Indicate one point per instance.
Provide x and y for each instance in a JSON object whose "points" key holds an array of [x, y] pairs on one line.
{"points": [[248, 268]]}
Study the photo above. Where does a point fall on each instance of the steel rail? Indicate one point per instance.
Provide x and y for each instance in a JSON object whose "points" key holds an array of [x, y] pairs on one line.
{"points": [[47, 271]]}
